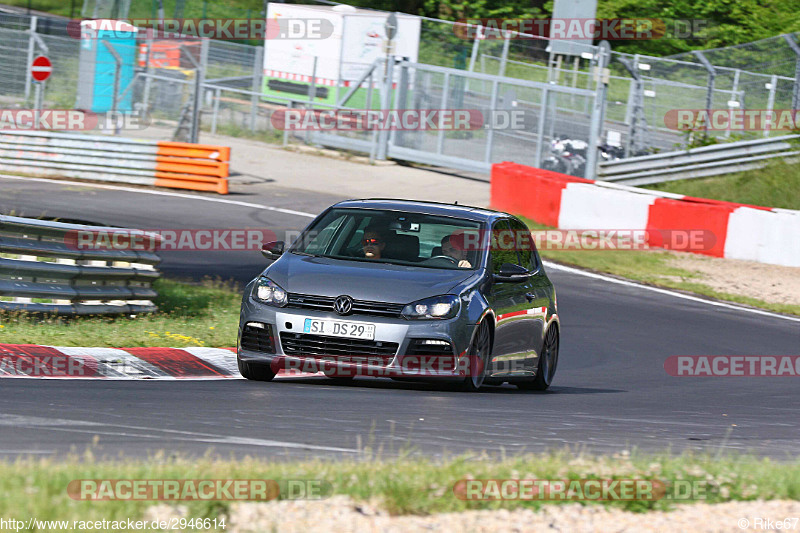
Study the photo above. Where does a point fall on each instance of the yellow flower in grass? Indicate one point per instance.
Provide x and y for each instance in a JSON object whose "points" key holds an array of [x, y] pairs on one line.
{"points": [[185, 338]]}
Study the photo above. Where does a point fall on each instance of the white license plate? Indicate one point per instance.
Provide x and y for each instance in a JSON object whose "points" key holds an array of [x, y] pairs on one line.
{"points": [[339, 328]]}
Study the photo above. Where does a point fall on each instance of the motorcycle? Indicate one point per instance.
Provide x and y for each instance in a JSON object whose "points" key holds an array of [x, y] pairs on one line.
{"points": [[567, 156]]}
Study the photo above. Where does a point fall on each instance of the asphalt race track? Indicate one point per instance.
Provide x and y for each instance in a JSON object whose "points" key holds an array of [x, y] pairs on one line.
{"points": [[611, 391]]}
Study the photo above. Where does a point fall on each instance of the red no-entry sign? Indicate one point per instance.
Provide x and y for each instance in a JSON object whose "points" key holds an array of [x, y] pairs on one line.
{"points": [[41, 68]]}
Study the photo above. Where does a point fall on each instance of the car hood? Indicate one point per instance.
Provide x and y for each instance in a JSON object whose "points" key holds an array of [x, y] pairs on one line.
{"points": [[377, 282]]}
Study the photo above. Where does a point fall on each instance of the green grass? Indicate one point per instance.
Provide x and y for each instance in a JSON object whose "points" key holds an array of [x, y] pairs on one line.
{"points": [[776, 185], [205, 314], [651, 267], [147, 8], [236, 130], [406, 485]]}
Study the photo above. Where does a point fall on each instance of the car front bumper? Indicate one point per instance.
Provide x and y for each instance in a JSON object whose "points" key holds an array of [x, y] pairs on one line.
{"points": [[406, 361]]}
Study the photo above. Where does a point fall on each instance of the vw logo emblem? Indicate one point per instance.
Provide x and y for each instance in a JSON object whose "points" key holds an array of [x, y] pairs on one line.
{"points": [[343, 305]]}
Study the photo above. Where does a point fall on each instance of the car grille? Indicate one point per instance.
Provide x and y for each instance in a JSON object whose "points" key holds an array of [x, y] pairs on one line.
{"points": [[426, 347], [360, 307], [429, 355], [340, 348], [258, 339]]}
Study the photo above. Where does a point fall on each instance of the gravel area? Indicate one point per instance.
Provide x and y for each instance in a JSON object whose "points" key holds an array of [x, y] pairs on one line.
{"points": [[341, 514], [770, 283]]}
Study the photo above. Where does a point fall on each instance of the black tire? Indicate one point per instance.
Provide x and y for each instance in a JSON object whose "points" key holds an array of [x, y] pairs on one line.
{"points": [[548, 361], [479, 353], [255, 371]]}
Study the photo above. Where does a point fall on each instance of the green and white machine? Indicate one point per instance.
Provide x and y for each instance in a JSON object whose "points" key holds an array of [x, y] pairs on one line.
{"points": [[357, 39]]}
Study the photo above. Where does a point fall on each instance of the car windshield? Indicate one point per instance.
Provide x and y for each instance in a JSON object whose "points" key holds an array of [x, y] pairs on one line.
{"points": [[393, 237]]}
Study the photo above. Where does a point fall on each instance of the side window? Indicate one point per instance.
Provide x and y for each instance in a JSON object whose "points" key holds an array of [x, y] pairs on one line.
{"points": [[317, 243], [355, 237], [524, 244], [502, 246]]}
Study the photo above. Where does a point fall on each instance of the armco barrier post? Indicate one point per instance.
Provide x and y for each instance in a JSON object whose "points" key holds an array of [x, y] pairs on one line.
{"points": [[540, 130], [773, 84], [29, 59], [147, 79], [258, 73], [712, 76], [117, 72], [386, 102], [796, 89], [598, 110], [199, 81]]}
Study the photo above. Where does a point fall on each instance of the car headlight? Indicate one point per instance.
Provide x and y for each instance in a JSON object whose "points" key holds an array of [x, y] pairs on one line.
{"points": [[438, 307], [267, 291]]}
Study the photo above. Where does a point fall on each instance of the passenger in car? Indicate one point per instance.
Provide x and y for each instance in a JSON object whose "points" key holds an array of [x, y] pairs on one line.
{"points": [[453, 246], [374, 242]]}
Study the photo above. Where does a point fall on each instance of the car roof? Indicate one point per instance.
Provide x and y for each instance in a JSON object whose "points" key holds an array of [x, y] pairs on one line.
{"points": [[429, 208]]}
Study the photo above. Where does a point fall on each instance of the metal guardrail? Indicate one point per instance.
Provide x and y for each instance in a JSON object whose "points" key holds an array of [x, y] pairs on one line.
{"points": [[42, 270], [700, 162], [98, 157]]}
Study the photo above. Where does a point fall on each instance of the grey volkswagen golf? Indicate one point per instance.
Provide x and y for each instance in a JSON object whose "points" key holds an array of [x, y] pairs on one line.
{"points": [[407, 290]]}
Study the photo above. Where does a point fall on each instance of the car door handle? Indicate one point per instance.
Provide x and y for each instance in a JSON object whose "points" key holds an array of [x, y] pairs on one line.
{"points": [[530, 296]]}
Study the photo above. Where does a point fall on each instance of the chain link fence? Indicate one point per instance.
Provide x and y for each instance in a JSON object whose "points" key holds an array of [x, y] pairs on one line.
{"points": [[641, 90]]}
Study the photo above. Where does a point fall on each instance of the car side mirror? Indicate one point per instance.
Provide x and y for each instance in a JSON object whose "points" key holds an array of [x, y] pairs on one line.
{"points": [[511, 272], [272, 250]]}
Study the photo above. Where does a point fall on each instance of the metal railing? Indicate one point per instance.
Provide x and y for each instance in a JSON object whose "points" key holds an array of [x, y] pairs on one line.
{"points": [[636, 100], [700, 162], [106, 158], [44, 269]]}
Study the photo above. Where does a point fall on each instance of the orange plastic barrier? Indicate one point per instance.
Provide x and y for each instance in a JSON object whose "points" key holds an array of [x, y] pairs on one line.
{"points": [[532, 192], [194, 182], [200, 167], [537, 194], [199, 151], [666, 213]]}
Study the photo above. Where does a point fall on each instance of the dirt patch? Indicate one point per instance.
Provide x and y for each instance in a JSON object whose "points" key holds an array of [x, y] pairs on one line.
{"points": [[770, 283], [341, 514]]}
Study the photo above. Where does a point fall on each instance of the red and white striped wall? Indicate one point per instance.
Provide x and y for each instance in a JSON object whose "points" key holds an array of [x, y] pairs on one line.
{"points": [[741, 231], [35, 361], [67, 362]]}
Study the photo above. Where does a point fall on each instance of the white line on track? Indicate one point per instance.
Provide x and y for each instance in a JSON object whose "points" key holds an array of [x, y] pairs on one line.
{"points": [[548, 264], [668, 292], [166, 193], [99, 428]]}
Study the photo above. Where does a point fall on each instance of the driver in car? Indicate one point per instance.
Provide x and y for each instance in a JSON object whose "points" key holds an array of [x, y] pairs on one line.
{"points": [[453, 246], [373, 242]]}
